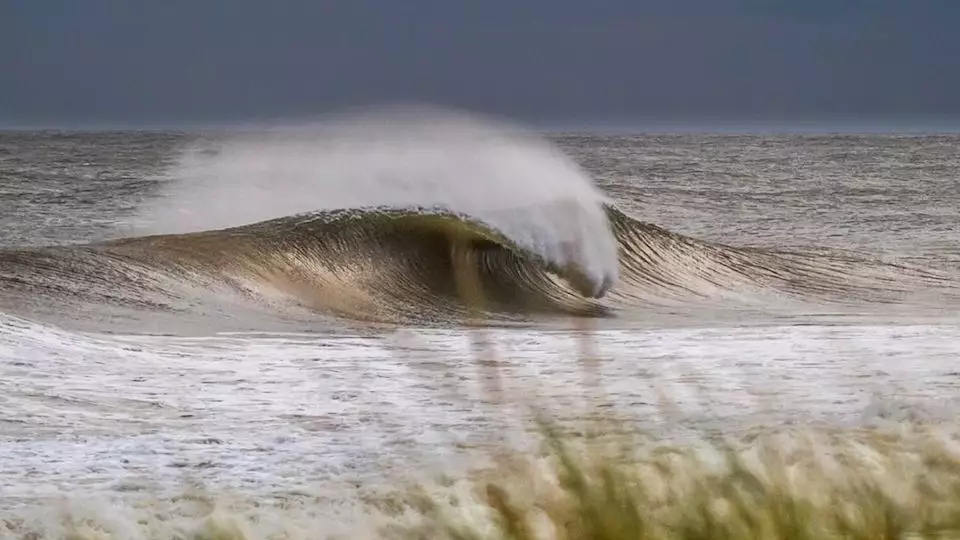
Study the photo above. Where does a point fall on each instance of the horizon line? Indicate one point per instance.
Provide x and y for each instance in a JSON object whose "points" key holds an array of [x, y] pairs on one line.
{"points": [[598, 127]]}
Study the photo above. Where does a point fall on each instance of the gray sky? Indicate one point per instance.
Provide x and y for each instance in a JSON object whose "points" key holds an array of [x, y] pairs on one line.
{"points": [[138, 62]]}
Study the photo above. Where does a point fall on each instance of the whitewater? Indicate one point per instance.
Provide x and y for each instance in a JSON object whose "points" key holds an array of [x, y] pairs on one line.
{"points": [[288, 318]]}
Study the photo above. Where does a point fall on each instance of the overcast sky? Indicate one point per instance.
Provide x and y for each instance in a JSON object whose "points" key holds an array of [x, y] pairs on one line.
{"points": [[139, 62]]}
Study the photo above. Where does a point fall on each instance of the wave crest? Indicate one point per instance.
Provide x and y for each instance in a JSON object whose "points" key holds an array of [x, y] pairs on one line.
{"points": [[403, 158]]}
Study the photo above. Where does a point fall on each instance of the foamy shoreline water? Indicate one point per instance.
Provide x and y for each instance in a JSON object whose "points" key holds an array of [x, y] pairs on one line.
{"points": [[254, 412]]}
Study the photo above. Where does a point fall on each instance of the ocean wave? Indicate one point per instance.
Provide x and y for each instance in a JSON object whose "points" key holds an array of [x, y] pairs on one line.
{"points": [[428, 265], [419, 216]]}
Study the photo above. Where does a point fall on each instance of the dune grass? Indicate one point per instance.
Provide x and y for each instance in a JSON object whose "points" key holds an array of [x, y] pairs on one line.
{"points": [[797, 485]]}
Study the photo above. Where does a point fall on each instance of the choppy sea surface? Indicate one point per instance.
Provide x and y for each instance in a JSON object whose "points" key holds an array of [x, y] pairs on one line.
{"points": [[280, 318]]}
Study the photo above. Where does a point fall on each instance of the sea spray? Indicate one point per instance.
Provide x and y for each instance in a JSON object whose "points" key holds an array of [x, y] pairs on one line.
{"points": [[399, 157]]}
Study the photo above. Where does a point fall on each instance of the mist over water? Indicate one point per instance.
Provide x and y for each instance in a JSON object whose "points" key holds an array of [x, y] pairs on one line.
{"points": [[401, 158], [395, 157]]}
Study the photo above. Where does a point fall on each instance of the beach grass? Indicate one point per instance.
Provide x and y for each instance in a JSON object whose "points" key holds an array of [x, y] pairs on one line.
{"points": [[796, 483]]}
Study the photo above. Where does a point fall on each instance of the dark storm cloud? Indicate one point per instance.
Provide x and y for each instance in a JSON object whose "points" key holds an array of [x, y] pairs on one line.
{"points": [[205, 60]]}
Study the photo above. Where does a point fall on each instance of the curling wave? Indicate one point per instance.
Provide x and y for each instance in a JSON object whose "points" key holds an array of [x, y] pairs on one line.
{"points": [[432, 266], [416, 216]]}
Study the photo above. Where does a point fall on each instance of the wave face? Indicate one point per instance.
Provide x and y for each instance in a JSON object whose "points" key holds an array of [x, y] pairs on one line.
{"points": [[414, 216]]}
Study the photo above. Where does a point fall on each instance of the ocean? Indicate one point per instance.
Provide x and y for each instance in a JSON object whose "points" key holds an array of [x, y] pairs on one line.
{"points": [[289, 320]]}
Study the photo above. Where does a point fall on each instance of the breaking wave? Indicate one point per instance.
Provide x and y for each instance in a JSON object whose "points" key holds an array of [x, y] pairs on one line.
{"points": [[416, 216]]}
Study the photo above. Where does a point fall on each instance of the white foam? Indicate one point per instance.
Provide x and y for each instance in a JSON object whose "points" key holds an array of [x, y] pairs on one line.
{"points": [[513, 180], [278, 427]]}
